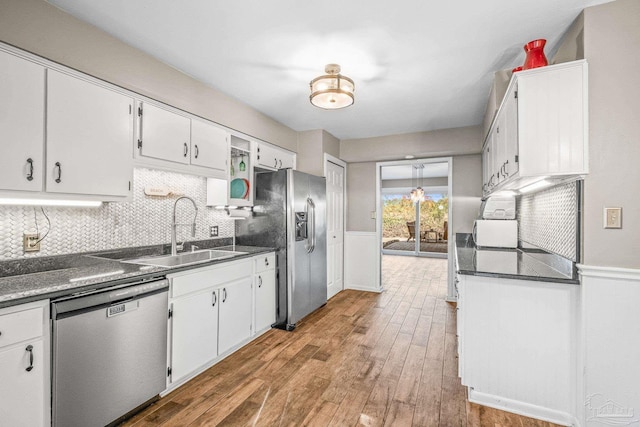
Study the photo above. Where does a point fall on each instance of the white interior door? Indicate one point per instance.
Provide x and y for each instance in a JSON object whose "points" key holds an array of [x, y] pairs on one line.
{"points": [[335, 228]]}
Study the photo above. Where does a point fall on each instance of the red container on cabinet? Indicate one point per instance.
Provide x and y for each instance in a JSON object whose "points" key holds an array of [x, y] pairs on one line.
{"points": [[535, 54]]}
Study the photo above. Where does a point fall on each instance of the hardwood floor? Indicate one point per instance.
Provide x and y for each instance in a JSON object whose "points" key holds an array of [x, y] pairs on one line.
{"points": [[366, 359]]}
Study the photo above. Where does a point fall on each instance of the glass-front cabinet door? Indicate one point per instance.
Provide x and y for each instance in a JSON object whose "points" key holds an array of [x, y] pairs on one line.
{"points": [[240, 180]]}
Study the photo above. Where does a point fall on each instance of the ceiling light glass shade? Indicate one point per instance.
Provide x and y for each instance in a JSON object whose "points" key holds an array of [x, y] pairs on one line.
{"points": [[333, 90], [417, 195]]}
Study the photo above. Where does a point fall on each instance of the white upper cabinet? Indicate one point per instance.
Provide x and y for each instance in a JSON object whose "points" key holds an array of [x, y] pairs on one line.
{"points": [[164, 134], [21, 123], [209, 145], [89, 136], [552, 120], [270, 157], [510, 133], [540, 131], [173, 141]]}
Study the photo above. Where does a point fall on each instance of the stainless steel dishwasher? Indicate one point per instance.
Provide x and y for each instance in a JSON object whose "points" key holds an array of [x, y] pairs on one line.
{"points": [[109, 352]]}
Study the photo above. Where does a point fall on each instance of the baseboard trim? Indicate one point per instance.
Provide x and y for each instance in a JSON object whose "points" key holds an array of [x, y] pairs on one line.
{"points": [[363, 288], [609, 272], [522, 408]]}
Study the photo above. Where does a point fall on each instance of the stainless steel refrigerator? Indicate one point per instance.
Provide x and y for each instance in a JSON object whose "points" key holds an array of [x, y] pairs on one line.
{"points": [[290, 215]]}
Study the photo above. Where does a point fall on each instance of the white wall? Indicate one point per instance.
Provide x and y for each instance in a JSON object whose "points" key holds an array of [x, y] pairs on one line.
{"points": [[361, 196], [437, 143], [464, 144], [467, 192], [362, 261], [311, 147]]}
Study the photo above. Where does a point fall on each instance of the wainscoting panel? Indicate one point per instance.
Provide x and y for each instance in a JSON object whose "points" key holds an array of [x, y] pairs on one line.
{"points": [[611, 322], [361, 261]]}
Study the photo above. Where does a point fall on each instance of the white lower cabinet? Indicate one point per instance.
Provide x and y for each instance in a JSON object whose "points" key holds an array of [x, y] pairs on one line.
{"points": [[212, 313], [517, 344], [193, 347], [235, 314], [24, 365], [264, 283]]}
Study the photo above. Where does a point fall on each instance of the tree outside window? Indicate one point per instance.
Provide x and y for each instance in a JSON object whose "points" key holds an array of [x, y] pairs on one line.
{"points": [[398, 209]]}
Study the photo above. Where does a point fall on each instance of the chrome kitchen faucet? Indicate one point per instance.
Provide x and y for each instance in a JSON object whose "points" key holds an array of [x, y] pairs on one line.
{"points": [[174, 225]]}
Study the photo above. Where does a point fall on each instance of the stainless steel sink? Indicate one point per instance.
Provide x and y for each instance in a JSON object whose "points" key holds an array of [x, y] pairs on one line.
{"points": [[184, 258]]}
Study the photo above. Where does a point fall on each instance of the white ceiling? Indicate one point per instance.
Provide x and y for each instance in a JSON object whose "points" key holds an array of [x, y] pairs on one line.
{"points": [[430, 170], [418, 64]]}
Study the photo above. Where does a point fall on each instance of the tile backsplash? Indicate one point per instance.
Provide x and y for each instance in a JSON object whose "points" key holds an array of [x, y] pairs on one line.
{"points": [[549, 219], [146, 220]]}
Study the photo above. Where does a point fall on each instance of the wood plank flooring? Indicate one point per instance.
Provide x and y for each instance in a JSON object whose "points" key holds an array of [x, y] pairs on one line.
{"points": [[366, 359]]}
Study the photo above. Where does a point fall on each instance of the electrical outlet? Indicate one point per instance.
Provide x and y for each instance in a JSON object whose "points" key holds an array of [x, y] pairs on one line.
{"points": [[612, 217], [30, 242], [213, 231]]}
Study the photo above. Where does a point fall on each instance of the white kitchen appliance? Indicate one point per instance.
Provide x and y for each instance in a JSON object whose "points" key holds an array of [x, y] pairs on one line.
{"points": [[496, 233], [498, 207]]}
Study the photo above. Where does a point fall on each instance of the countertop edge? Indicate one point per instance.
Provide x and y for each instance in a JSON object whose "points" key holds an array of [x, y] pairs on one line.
{"points": [[464, 237], [157, 273]]}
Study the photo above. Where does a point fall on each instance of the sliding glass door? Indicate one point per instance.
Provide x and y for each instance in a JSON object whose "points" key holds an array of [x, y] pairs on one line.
{"points": [[418, 226]]}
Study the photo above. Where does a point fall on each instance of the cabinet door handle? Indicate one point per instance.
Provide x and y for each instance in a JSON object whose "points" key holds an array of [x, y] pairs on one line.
{"points": [[215, 299], [275, 163], [224, 294], [279, 164], [30, 350], [186, 149], [59, 178], [197, 151], [259, 281], [30, 174], [266, 262]]}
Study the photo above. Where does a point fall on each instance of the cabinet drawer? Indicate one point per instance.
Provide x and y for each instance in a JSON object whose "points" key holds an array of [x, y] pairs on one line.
{"points": [[265, 262], [21, 326], [204, 278]]}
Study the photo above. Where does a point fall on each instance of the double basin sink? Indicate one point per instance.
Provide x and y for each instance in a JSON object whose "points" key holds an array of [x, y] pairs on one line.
{"points": [[186, 258]]}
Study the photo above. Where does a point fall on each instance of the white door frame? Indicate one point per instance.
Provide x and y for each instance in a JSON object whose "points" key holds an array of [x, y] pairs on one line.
{"points": [[328, 158], [450, 245]]}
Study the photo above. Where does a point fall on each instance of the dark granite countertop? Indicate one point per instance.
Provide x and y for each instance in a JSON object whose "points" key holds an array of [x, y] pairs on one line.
{"points": [[522, 264], [40, 278]]}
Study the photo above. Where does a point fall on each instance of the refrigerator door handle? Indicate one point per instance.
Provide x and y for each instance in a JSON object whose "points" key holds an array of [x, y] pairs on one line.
{"points": [[311, 209]]}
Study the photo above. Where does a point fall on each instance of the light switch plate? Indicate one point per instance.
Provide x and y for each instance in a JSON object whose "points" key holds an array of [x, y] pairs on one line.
{"points": [[612, 217], [213, 231]]}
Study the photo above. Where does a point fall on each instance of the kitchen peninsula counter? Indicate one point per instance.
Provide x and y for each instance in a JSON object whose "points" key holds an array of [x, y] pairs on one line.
{"points": [[523, 264]]}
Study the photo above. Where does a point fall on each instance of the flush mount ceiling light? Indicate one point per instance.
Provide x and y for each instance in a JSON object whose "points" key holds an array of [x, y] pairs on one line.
{"points": [[333, 90]]}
